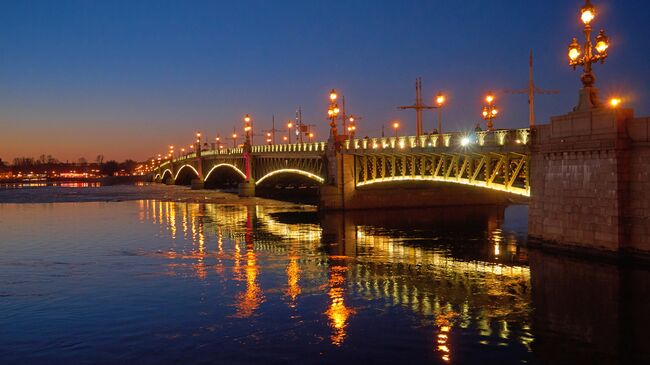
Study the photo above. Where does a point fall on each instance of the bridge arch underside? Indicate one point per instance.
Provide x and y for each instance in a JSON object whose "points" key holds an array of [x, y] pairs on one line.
{"points": [[224, 176], [296, 179], [185, 174], [164, 175]]}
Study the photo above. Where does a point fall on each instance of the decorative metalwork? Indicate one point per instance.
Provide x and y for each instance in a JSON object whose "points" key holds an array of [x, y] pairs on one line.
{"points": [[504, 171]]}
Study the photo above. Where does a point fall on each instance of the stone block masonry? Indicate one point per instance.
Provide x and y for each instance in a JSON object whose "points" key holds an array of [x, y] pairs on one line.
{"points": [[589, 181]]}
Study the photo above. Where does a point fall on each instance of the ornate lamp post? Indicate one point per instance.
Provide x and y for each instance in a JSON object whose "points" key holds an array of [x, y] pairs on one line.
{"points": [[490, 111], [289, 126], [395, 127], [247, 128], [333, 113], [198, 141], [352, 127], [585, 56], [440, 101]]}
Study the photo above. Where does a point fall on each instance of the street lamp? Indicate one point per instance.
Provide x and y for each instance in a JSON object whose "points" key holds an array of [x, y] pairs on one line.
{"points": [[395, 127], [615, 102], [311, 136], [352, 126], [247, 128], [490, 110], [289, 126], [234, 140], [218, 140], [333, 112], [440, 101], [268, 138], [585, 56]]}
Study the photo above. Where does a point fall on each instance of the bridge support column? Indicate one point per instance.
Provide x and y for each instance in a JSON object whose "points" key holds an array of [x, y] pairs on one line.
{"points": [[247, 189], [580, 181], [197, 184], [339, 189]]}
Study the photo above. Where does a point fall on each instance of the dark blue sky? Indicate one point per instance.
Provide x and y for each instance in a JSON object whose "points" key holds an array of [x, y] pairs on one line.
{"points": [[126, 78]]}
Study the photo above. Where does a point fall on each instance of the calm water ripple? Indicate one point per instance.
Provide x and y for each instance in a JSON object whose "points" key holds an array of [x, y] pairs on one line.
{"points": [[161, 282]]}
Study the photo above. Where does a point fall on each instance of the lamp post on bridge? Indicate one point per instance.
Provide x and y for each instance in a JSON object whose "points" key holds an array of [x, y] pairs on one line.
{"points": [[289, 126], [218, 142], [234, 140], [247, 129], [440, 101], [247, 188], [198, 142], [352, 125], [585, 56], [490, 111], [333, 113]]}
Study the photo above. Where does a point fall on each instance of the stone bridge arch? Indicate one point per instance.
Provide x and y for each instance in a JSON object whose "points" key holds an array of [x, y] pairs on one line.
{"points": [[308, 169], [224, 174], [185, 174], [164, 175]]}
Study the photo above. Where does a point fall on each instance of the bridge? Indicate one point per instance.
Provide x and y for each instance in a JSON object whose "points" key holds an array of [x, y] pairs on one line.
{"points": [[585, 174], [495, 160]]}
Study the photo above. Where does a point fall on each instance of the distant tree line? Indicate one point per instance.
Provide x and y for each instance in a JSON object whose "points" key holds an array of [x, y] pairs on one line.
{"points": [[45, 164]]}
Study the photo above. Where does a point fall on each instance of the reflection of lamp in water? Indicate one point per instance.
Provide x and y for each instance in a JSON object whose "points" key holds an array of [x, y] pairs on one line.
{"points": [[200, 255], [251, 299], [172, 220], [337, 312], [497, 237], [293, 277], [443, 321]]}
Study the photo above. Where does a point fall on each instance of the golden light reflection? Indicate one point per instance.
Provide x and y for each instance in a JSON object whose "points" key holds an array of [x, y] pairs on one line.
{"points": [[444, 324], [172, 219], [248, 301], [293, 278], [201, 271], [337, 312], [219, 267], [384, 268]]}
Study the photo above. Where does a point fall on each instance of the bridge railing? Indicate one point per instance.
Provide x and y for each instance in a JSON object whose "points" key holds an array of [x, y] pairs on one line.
{"points": [[223, 151], [294, 147], [497, 138]]}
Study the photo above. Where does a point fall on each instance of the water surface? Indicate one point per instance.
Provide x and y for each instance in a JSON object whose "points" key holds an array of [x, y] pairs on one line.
{"points": [[163, 282]]}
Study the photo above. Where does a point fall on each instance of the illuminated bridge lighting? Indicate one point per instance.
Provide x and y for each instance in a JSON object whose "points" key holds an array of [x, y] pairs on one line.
{"points": [[294, 171], [240, 172], [482, 184], [184, 166]]}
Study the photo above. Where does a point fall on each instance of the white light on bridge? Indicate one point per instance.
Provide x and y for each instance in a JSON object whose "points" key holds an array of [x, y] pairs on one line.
{"points": [[465, 141]]}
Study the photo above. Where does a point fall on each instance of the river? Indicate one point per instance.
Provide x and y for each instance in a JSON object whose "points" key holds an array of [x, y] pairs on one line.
{"points": [[166, 282]]}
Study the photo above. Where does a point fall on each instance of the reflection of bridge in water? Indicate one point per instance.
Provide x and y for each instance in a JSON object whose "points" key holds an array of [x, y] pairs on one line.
{"points": [[402, 260], [349, 257]]}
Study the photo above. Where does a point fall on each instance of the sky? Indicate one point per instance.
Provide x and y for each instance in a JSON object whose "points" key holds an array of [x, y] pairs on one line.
{"points": [[126, 79]]}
